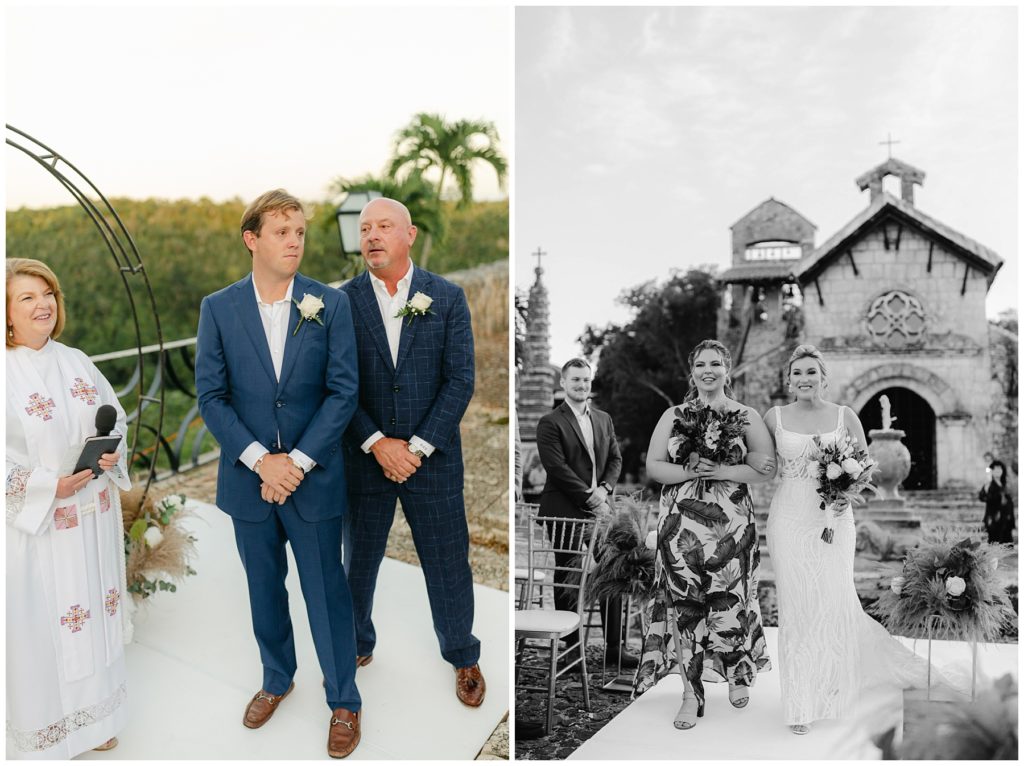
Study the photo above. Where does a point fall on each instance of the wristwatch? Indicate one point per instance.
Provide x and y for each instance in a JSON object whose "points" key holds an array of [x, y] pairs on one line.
{"points": [[258, 463], [607, 486], [417, 452]]}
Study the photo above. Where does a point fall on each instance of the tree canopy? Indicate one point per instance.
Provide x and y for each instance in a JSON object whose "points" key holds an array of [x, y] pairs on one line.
{"points": [[429, 141]]}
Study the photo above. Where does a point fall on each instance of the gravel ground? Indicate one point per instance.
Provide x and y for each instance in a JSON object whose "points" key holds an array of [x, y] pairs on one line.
{"points": [[485, 437]]}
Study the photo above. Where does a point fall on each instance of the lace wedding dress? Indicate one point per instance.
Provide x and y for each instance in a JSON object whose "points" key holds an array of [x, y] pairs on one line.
{"points": [[829, 649]]}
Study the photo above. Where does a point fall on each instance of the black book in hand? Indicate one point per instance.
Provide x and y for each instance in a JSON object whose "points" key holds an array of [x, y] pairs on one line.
{"points": [[95, 446]]}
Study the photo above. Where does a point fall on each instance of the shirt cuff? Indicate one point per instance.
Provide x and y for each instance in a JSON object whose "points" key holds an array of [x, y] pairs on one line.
{"points": [[251, 454], [306, 463], [425, 447], [375, 437]]}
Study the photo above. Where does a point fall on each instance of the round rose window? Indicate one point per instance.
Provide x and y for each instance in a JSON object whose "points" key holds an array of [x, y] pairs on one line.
{"points": [[896, 319]]}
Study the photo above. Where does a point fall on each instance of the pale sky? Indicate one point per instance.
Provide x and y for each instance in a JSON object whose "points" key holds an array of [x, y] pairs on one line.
{"points": [[643, 134], [224, 102]]}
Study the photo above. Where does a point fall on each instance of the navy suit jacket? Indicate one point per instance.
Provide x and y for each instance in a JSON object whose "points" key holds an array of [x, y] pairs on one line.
{"points": [[241, 400], [425, 394], [563, 453]]}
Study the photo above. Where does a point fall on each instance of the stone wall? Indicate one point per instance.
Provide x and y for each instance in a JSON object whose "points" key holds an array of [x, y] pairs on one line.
{"points": [[771, 220], [950, 367], [847, 295], [1002, 414]]}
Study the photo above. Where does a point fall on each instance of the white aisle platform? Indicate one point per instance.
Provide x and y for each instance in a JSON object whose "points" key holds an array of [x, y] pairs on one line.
{"points": [[644, 730], [194, 665]]}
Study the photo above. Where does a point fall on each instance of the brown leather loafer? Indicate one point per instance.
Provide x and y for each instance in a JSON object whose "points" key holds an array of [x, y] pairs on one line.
{"points": [[343, 736], [470, 686], [262, 706], [110, 744]]}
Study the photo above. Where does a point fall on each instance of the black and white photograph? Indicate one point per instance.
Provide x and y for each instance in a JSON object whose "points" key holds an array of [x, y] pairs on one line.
{"points": [[766, 383]]}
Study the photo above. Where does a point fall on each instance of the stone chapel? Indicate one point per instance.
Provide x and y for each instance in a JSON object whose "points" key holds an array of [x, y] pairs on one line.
{"points": [[895, 300]]}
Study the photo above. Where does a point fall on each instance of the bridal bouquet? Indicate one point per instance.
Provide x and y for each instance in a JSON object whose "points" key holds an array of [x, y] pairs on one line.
{"points": [[844, 472], [701, 431]]}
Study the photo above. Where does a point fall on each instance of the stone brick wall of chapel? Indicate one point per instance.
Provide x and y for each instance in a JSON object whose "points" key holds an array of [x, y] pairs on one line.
{"points": [[847, 296]]}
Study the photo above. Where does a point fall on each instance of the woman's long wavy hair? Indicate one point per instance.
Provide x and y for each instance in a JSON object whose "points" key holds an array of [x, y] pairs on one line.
{"points": [[704, 345]]}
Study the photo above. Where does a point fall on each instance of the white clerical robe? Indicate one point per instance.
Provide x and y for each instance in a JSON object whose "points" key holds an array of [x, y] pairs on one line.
{"points": [[66, 596]]}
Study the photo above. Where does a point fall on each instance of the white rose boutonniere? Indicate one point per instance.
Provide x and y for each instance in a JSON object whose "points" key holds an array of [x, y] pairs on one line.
{"points": [[309, 310], [417, 306]]}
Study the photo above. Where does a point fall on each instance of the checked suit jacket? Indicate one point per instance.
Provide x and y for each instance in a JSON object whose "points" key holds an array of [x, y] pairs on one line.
{"points": [[242, 401], [565, 458], [425, 394]]}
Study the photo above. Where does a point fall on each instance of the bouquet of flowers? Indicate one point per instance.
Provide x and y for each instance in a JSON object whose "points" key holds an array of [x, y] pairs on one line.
{"points": [[844, 472], [952, 589], [701, 431]]}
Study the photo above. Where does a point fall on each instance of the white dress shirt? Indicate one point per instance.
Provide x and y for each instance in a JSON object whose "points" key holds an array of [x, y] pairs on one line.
{"points": [[587, 427], [275, 326], [389, 306]]}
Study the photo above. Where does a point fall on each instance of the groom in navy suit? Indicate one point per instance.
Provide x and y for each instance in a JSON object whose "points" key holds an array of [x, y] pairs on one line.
{"points": [[276, 380], [415, 381]]}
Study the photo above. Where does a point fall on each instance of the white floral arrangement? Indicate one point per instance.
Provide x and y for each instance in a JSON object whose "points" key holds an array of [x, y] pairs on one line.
{"points": [[158, 549], [309, 310], [417, 306]]}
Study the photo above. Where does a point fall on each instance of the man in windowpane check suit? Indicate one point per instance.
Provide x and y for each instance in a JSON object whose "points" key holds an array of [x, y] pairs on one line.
{"points": [[577, 447], [415, 346]]}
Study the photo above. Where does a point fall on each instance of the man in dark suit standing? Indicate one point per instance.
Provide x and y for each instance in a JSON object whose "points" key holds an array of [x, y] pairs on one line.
{"points": [[416, 378], [577, 446], [276, 382]]}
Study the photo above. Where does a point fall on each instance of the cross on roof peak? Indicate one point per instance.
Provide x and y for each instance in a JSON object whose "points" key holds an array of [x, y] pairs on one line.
{"points": [[889, 142], [539, 254]]}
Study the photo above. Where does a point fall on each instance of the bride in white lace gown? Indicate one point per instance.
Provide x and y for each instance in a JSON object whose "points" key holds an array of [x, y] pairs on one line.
{"points": [[829, 649]]}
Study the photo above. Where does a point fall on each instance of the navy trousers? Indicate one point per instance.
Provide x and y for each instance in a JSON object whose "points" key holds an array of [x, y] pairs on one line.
{"points": [[441, 536], [324, 588]]}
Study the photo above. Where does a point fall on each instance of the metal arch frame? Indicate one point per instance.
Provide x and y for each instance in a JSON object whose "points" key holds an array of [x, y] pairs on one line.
{"points": [[129, 263]]}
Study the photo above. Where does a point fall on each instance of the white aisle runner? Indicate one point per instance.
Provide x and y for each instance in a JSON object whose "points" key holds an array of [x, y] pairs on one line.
{"points": [[644, 730], [194, 665]]}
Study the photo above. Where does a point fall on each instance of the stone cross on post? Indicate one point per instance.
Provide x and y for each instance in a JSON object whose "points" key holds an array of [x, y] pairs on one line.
{"points": [[888, 141], [538, 255]]}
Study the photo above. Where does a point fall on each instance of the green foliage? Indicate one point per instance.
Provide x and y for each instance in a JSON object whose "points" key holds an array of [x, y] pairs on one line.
{"points": [[138, 530], [642, 368], [477, 234], [452, 148]]}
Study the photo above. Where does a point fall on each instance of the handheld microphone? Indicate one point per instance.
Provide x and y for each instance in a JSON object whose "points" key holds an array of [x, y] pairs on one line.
{"points": [[102, 442], [106, 419]]}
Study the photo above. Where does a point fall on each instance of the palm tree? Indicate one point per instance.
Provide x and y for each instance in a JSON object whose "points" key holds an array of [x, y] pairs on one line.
{"points": [[452, 147], [416, 193]]}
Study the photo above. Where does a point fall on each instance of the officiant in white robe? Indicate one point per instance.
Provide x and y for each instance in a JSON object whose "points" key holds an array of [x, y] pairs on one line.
{"points": [[66, 593]]}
